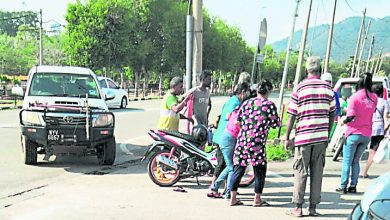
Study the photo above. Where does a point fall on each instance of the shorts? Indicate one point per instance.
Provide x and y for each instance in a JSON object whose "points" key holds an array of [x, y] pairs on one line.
{"points": [[375, 140]]}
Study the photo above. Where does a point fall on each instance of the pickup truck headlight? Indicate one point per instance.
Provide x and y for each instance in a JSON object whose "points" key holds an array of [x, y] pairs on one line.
{"points": [[103, 120], [32, 118]]}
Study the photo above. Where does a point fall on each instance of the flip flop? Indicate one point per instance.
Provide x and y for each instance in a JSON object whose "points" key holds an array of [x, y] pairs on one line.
{"points": [[179, 189], [262, 204], [291, 212], [237, 203], [213, 194], [365, 176]]}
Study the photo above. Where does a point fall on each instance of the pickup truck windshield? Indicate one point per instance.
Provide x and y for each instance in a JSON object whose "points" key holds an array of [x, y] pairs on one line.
{"points": [[63, 85]]}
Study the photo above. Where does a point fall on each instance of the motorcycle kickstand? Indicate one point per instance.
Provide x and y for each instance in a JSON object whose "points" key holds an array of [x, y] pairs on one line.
{"points": [[197, 181]]}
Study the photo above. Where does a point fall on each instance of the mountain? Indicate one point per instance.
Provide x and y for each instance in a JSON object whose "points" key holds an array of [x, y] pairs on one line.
{"points": [[345, 35]]}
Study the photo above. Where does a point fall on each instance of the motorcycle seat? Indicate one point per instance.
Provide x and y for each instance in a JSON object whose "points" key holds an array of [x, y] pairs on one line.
{"points": [[184, 136]]}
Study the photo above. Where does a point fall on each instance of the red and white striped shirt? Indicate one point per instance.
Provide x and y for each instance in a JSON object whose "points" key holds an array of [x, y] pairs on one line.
{"points": [[312, 102]]}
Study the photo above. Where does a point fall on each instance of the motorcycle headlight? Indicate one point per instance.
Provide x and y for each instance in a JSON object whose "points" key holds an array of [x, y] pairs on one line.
{"points": [[32, 118], [103, 120]]}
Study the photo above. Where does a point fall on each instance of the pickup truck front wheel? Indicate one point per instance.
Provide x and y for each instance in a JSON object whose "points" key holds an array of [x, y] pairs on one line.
{"points": [[29, 151], [106, 152]]}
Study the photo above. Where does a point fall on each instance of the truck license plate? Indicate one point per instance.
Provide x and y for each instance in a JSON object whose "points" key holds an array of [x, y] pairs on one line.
{"points": [[53, 135]]}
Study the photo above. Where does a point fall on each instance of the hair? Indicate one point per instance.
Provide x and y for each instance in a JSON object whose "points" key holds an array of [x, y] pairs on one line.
{"points": [[244, 78], [377, 89], [175, 81], [204, 74], [313, 65], [264, 87], [365, 82], [241, 88]]}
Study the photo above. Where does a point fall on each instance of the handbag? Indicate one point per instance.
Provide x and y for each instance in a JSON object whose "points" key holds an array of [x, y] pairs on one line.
{"points": [[383, 151]]}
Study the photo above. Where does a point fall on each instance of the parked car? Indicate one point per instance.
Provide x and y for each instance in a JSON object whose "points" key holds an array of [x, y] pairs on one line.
{"points": [[64, 112], [121, 96], [375, 203]]}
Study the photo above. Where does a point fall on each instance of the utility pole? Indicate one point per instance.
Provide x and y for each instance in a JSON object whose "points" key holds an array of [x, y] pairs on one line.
{"points": [[380, 64], [288, 50], [362, 49], [358, 43], [377, 62], [302, 47], [40, 38], [370, 52], [328, 48], [189, 46], [198, 35]]}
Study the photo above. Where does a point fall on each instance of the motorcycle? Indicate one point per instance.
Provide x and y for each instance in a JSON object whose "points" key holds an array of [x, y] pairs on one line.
{"points": [[175, 156]]}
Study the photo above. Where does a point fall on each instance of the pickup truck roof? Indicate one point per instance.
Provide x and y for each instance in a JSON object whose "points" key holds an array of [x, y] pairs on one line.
{"points": [[61, 69]]}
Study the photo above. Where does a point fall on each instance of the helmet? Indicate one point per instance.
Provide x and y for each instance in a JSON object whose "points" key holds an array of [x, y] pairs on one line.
{"points": [[199, 132]]}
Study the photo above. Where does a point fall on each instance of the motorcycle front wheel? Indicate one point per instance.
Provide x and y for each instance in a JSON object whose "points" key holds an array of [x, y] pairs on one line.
{"points": [[160, 173]]}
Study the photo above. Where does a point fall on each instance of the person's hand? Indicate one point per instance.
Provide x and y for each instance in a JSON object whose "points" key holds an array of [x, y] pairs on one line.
{"points": [[288, 144], [341, 121]]}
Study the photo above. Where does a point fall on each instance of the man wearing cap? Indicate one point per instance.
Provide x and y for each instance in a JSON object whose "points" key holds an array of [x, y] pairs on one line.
{"points": [[169, 116], [312, 104]]}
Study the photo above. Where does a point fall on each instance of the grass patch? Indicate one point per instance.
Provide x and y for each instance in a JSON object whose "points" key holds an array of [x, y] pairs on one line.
{"points": [[273, 133], [277, 152]]}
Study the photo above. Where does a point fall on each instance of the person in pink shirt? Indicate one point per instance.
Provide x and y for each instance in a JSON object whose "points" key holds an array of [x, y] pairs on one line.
{"points": [[361, 107], [227, 142]]}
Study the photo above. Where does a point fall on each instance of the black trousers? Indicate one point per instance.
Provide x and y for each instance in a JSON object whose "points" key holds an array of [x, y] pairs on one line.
{"points": [[260, 172], [220, 163]]}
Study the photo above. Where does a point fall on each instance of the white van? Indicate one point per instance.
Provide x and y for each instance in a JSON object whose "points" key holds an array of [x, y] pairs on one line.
{"points": [[65, 112]]}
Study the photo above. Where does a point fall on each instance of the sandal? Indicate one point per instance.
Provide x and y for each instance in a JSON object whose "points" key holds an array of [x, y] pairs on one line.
{"points": [[237, 203], [295, 213], [213, 194], [179, 189], [262, 204], [365, 176]]}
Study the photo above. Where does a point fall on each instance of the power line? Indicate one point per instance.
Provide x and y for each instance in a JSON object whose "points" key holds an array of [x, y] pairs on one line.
{"points": [[349, 6]]}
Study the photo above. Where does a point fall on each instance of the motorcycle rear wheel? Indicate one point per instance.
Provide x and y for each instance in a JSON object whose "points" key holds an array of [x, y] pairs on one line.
{"points": [[160, 173], [248, 178]]}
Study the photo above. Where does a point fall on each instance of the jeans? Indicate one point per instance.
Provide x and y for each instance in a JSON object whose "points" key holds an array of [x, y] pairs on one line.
{"points": [[353, 149], [227, 144]]}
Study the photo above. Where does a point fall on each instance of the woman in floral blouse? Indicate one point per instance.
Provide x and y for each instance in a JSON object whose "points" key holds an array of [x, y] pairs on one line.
{"points": [[255, 117]]}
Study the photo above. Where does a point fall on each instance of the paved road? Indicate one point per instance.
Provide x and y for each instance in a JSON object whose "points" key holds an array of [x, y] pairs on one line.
{"points": [[76, 188]]}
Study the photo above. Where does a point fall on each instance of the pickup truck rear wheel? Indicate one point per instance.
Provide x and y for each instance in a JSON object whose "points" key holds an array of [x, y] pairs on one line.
{"points": [[29, 151], [106, 152]]}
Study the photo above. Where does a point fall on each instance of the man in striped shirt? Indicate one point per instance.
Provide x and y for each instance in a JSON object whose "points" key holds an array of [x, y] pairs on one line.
{"points": [[312, 104]]}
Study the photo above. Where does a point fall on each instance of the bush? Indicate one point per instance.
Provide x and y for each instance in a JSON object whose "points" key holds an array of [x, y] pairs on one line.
{"points": [[277, 152]]}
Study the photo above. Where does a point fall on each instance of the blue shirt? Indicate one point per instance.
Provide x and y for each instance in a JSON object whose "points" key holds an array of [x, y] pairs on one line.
{"points": [[227, 108]]}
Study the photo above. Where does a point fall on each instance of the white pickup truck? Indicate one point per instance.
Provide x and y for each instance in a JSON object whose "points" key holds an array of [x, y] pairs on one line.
{"points": [[65, 112]]}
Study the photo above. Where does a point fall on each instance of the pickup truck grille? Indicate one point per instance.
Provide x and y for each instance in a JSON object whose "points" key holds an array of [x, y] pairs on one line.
{"points": [[65, 120]]}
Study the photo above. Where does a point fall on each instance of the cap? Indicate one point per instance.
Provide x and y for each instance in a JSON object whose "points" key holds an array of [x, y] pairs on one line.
{"points": [[327, 77]]}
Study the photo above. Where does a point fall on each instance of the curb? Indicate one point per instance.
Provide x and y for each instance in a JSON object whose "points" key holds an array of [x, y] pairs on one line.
{"points": [[143, 99]]}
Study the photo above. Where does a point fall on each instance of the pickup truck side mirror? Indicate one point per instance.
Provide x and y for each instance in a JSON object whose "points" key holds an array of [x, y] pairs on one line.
{"points": [[109, 95], [17, 91]]}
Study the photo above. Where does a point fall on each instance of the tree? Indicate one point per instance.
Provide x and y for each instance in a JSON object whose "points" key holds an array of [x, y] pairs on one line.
{"points": [[11, 21]]}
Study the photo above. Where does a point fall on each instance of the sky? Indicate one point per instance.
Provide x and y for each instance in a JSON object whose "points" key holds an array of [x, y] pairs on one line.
{"points": [[243, 14]]}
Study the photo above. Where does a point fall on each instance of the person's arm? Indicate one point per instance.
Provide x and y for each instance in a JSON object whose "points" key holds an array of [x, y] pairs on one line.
{"points": [[292, 114], [289, 127], [178, 107], [209, 109], [184, 117]]}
